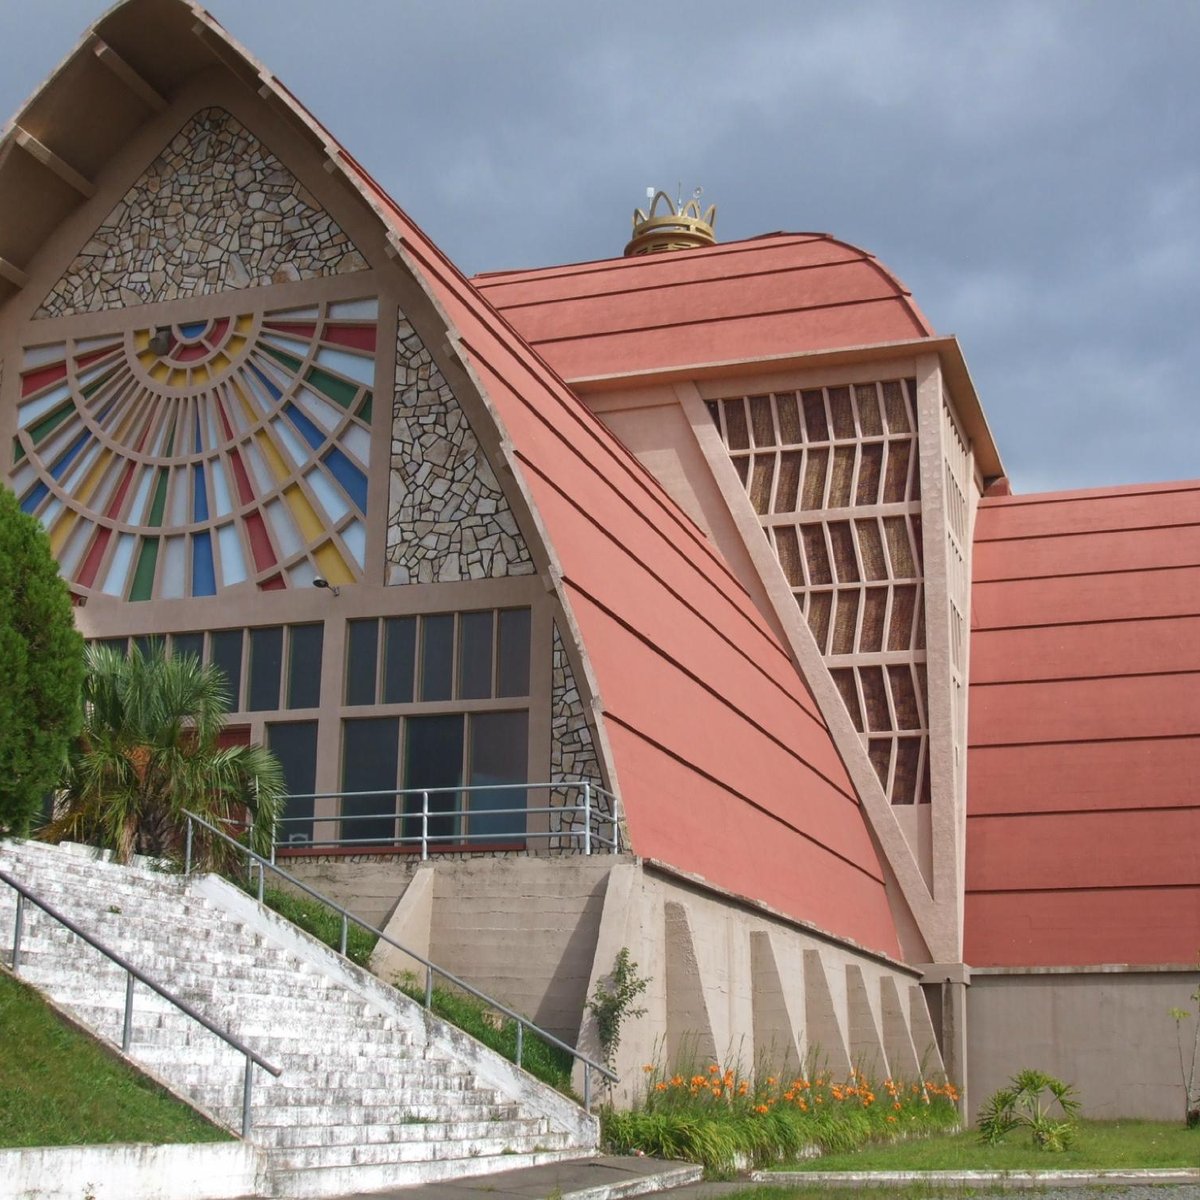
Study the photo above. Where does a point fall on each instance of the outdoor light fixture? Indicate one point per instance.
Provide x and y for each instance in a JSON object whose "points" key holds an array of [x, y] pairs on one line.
{"points": [[160, 343], [324, 583]]}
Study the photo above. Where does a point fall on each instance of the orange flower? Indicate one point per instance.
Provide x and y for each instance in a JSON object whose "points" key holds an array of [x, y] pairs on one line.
{"points": [[660, 1087], [892, 1119], [714, 1069], [896, 1105], [762, 1108]]}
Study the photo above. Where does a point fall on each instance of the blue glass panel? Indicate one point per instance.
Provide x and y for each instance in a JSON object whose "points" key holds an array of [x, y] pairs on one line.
{"points": [[204, 579], [73, 450], [312, 435], [199, 444], [34, 497], [353, 481], [194, 329], [275, 393], [199, 494]]}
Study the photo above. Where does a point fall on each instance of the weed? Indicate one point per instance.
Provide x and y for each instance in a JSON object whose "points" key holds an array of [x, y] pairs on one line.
{"points": [[612, 1003]]}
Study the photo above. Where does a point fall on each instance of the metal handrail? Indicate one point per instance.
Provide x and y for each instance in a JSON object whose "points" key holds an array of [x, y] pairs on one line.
{"points": [[431, 968], [587, 838], [132, 973]]}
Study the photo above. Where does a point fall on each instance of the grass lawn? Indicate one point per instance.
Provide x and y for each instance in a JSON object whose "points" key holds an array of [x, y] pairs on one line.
{"points": [[1100, 1145], [58, 1088]]}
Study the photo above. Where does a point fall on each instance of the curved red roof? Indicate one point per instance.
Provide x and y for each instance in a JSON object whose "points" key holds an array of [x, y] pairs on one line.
{"points": [[1083, 830], [784, 293]]}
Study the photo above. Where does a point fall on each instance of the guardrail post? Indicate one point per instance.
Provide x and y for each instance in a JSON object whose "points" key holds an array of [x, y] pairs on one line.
{"points": [[127, 1027], [587, 1088], [520, 1041], [345, 933], [262, 881], [17, 930], [187, 849], [587, 818], [429, 988], [424, 826], [247, 1084]]}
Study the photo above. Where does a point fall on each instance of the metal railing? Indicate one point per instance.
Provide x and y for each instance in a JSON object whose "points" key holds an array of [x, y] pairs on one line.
{"points": [[264, 865], [433, 825], [132, 973]]}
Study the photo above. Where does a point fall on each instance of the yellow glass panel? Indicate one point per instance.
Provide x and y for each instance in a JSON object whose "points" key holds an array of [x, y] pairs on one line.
{"points": [[160, 372], [219, 363], [333, 566], [306, 517], [178, 379], [141, 340], [244, 324], [277, 465], [89, 485], [234, 345], [200, 374], [61, 531]]}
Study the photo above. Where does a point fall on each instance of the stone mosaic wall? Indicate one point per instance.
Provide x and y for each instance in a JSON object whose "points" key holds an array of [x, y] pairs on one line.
{"points": [[573, 756], [215, 211], [448, 519]]}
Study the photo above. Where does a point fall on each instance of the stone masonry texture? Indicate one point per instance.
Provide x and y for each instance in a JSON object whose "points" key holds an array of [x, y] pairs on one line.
{"points": [[216, 211]]}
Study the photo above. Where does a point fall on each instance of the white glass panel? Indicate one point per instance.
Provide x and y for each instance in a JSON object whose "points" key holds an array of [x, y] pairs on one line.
{"points": [[174, 569], [329, 496], [357, 441], [141, 497], [221, 501], [22, 479], [72, 551], [233, 561], [302, 574], [350, 310], [180, 489], [215, 434], [40, 356], [288, 315], [118, 571], [258, 469], [351, 365], [289, 345], [37, 408], [314, 406], [299, 451], [354, 536], [50, 512], [279, 517], [83, 464], [83, 345]]}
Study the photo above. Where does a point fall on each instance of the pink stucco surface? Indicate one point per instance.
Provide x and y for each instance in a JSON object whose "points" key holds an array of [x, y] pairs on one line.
{"points": [[1083, 831]]}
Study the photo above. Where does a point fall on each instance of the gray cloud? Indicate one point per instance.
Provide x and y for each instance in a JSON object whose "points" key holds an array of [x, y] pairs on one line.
{"points": [[1030, 169]]}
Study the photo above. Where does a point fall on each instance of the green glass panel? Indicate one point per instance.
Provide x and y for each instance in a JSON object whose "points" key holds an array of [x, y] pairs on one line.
{"points": [[96, 384], [364, 409], [18, 450], [171, 435], [160, 498], [292, 363], [143, 577], [338, 390], [47, 425]]}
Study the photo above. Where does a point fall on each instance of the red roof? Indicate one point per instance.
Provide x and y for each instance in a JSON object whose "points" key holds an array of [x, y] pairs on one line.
{"points": [[784, 293], [725, 766], [1083, 830]]}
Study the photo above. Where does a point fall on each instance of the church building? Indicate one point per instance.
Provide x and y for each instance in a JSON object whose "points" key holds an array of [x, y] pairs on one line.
{"points": [[675, 602]]}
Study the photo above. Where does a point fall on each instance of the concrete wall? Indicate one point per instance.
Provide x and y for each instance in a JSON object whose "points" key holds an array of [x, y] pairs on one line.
{"points": [[1108, 1031], [733, 981], [520, 928]]}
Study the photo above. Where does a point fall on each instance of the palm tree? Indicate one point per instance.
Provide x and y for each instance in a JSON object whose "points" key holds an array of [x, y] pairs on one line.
{"points": [[149, 750]]}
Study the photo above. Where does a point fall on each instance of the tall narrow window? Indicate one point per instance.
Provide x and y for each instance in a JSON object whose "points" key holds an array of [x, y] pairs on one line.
{"points": [[304, 665], [361, 654], [475, 655], [499, 756], [266, 663], [512, 675], [433, 762], [437, 656], [294, 743], [226, 651], [370, 750]]}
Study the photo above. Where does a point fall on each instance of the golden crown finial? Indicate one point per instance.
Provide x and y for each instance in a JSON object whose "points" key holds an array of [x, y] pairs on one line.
{"points": [[680, 227]]}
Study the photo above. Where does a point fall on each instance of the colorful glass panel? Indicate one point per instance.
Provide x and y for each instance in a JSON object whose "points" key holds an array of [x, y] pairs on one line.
{"points": [[175, 461]]}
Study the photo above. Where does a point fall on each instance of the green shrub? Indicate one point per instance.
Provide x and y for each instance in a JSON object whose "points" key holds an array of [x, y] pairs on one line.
{"points": [[723, 1118], [316, 918], [1027, 1103]]}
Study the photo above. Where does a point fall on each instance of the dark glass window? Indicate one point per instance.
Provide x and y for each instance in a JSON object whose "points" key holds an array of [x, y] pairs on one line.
{"points": [[266, 663], [304, 665], [513, 673], [399, 659], [295, 745], [360, 662], [183, 644], [433, 759], [120, 645], [370, 750], [226, 655], [475, 656], [499, 755], [148, 644], [437, 656]]}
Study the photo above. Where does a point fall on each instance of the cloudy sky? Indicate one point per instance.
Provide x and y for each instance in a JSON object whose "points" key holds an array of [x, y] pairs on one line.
{"points": [[1030, 170]]}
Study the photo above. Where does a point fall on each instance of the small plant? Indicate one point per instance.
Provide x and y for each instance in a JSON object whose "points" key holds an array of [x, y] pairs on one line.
{"points": [[1187, 1073], [612, 1003], [1026, 1104]]}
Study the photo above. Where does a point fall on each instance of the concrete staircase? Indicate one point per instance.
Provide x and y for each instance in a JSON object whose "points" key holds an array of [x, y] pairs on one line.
{"points": [[375, 1093]]}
